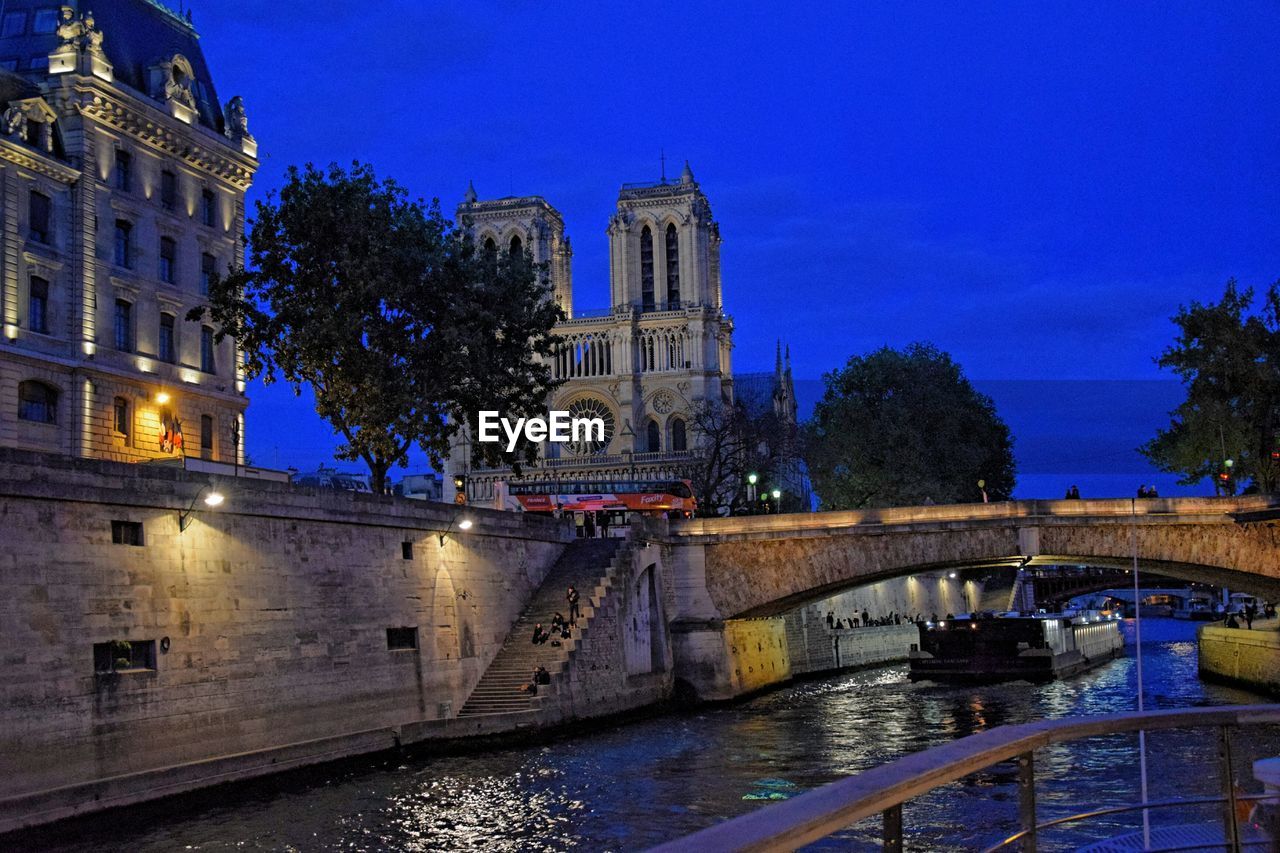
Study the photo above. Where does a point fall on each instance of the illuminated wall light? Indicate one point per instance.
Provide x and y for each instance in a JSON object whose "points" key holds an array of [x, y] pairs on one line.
{"points": [[89, 348], [11, 331], [162, 397]]}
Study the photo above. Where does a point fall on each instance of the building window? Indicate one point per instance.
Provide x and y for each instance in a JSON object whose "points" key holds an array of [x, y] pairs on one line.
{"points": [[206, 436], [673, 267], [124, 325], [401, 639], [38, 209], [679, 441], [646, 269], [208, 268], [126, 533], [654, 436], [38, 306], [46, 21], [124, 656], [208, 208], [517, 248], [406, 550], [37, 402], [121, 412], [168, 259], [124, 170], [39, 63], [124, 244], [207, 351], [15, 24], [168, 352], [168, 190]]}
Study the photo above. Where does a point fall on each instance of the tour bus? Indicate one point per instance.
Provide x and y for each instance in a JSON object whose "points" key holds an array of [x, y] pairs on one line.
{"points": [[622, 499]]}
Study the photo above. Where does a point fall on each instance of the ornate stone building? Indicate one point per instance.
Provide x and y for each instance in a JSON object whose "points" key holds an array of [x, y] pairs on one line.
{"points": [[123, 183], [662, 347]]}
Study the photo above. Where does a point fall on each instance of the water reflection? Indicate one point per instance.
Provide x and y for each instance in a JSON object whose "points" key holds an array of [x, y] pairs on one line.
{"points": [[645, 782]]}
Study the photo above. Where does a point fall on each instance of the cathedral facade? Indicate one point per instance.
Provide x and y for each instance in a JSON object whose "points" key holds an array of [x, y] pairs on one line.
{"points": [[123, 181], [662, 347]]}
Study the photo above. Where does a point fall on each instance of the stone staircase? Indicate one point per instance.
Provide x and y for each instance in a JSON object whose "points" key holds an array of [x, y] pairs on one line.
{"points": [[586, 564]]}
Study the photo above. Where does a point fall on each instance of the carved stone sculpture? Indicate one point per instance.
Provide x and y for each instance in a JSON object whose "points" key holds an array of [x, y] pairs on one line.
{"points": [[237, 121]]}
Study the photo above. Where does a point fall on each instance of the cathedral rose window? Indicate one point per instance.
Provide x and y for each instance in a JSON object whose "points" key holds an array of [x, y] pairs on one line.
{"points": [[590, 407]]}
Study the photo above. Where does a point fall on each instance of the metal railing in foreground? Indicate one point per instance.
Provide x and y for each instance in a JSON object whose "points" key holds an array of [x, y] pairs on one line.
{"points": [[883, 790]]}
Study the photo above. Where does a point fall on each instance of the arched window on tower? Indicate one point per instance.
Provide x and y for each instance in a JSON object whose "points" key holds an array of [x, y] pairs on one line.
{"points": [[673, 268], [646, 270], [490, 252], [654, 437], [679, 440], [517, 248]]}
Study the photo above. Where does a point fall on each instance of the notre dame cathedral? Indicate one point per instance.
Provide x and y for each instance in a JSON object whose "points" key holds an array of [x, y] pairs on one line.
{"points": [[663, 346]]}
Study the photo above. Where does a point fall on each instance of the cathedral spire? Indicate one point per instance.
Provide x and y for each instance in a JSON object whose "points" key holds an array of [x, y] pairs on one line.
{"points": [[777, 363], [686, 177], [471, 197]]}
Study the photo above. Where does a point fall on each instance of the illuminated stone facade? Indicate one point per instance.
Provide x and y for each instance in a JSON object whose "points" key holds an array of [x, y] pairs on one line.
{"points": [[662, 347], [123, 183]]}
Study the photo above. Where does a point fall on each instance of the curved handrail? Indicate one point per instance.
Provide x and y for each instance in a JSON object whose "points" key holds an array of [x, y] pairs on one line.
{"points": [[816, 814]]}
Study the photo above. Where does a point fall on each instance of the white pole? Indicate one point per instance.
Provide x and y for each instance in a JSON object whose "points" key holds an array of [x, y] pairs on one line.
{"points": [[1137, 638]]}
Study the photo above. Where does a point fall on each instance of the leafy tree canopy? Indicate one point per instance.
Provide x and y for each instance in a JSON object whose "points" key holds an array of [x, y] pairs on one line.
{"points": [[899, 428], [1227, 354], [398, 324]]}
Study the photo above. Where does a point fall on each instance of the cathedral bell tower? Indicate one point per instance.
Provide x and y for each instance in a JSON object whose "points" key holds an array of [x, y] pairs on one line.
{"points": [[515, 224], [664, 247]]}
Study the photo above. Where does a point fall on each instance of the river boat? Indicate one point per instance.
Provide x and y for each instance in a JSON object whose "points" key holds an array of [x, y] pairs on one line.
{"points": [[1197, 611], [987, 648]]}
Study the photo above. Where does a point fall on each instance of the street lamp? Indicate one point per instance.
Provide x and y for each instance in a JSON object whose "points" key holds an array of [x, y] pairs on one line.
{"points": [[463, 524], [751, 488], [777, 500], [214, 498]]}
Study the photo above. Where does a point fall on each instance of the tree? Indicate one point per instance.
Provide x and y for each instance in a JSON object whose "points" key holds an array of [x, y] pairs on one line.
{"points": [[901, 428], [401, 328], [733, 440], [1228, 357]]}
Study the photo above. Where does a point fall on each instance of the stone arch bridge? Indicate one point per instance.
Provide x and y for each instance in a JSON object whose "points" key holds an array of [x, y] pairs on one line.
{"points": [[720, 574]]}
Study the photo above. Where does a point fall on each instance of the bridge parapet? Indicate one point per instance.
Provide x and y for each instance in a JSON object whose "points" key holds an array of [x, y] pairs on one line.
{"points": [[1147, 509]]}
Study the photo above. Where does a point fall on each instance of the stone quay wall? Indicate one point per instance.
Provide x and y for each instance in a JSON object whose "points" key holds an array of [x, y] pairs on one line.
{"points": [[1249, 659], [258, 637], [815, 648]]}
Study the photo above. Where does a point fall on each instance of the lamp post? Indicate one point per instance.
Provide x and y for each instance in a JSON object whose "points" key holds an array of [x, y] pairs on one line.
{"points": [[751, 490], [214, 498], [777, 500]]}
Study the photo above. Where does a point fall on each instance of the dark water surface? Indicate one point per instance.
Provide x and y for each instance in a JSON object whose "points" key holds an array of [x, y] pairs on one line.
{"points": [[632, 786]]}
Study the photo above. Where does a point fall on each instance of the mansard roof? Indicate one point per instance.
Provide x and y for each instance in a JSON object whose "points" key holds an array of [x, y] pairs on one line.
{"points": [[137, 34]]}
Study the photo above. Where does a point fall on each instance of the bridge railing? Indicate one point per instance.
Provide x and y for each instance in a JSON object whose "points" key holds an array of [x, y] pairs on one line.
{"points": [[1003, 511], [883, 790]]}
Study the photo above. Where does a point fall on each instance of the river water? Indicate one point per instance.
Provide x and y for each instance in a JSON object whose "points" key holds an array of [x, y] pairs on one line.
{"points": [[642, 782]]}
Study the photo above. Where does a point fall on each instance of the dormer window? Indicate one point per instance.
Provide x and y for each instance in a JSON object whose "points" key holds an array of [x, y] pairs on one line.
{"points": [[15, 24], [46, 21]]}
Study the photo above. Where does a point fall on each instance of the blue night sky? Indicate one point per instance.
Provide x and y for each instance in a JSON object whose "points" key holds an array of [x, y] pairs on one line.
{"points": [[1033, 187]]}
